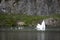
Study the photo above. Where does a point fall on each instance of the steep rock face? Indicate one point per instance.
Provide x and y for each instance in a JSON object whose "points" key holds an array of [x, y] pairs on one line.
{"points": [[30, 7]]}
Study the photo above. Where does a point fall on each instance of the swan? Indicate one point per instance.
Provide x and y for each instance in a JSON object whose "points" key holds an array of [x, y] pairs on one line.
{"points": [[41, 26]]}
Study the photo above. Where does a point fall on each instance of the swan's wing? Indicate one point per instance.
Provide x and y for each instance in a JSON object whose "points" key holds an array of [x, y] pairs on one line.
{"points": [[43, 25], [43, 22], [38, 26]]}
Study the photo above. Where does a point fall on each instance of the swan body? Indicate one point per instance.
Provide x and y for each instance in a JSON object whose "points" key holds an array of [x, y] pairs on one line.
{"points": [[41, 26]]}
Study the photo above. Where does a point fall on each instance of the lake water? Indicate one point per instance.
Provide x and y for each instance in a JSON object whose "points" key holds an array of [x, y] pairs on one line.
{"points": [[29, 35]]}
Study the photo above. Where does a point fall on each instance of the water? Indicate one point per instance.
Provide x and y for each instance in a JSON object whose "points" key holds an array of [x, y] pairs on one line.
{"points": [[29, 35]]}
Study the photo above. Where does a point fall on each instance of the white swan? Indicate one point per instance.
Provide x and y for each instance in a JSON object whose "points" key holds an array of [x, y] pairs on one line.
{"points": [[41, 26]]}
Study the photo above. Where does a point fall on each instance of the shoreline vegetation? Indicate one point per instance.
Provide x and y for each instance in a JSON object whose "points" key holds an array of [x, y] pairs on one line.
{"points": [[12, 20]]}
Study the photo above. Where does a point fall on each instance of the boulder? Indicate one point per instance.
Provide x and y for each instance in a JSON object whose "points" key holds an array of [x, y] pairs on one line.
{"points": [[52, 21], [20, 23]]}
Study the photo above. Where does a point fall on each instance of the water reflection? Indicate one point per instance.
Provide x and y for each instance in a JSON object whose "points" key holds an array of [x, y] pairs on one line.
{"points": [[41, 36], [28, 34]]}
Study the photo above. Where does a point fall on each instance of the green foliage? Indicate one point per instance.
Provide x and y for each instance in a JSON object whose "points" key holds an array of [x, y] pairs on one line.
{"points": [[55, 16], [6, 20], [11, 19]]}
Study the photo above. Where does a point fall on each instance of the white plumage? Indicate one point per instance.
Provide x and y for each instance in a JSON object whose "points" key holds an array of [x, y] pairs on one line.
{"points": [[41, 26]]}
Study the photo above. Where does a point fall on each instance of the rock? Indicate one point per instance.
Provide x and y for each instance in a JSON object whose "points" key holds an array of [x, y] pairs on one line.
{"points": [[30, 7], [52, 22], [20, 23]]}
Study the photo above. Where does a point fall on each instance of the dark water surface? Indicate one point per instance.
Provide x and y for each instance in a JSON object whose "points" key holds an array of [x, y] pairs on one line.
{"points": [[29, 35]]}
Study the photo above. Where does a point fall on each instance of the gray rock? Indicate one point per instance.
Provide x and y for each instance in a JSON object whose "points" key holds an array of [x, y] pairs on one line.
{"points": [[20, 23], [52, 22], [31, 7]]}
